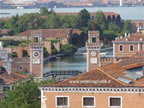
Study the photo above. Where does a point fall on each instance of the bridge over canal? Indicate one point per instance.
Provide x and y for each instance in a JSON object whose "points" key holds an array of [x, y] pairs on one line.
{"points": [[61, 74]]}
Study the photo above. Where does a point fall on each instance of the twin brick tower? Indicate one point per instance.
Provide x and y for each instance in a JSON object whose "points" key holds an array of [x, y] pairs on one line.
{"points": [[36, 53], [93, 50]]}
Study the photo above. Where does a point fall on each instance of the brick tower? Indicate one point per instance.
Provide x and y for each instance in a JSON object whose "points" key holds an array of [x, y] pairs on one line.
{"points": [[36, 55], [93, 50]]}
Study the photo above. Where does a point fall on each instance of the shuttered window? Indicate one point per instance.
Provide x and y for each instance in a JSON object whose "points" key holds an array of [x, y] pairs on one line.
{"points": [[115, 101], [88, 101], [62, 101]]}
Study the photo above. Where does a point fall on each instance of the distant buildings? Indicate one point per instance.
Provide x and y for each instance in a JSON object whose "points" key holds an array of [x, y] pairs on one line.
{"points": [[8, 80], [77, 2], [128, 45]]}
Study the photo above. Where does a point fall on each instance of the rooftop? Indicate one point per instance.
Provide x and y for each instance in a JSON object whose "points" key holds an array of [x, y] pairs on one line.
{"points": [[114, 75], [51, 33], [5, 78], [91, 13], [131, 37]]}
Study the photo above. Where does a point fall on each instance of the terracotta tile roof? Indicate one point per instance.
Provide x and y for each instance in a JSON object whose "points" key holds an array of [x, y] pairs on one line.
{"points": [[138, 55], [133, 37], [138, 22], [106, 76], [135, 60], [5, 31], [115, 70], [12, 78], [51, 33], [4, 19], [130, 66], [96, 78]]}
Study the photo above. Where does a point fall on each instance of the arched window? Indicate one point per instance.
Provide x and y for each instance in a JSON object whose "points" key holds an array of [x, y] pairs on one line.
{"points": [[131, 48], [20, 68], [121, 48], [14, 54], [93, 39], [25, 53]]}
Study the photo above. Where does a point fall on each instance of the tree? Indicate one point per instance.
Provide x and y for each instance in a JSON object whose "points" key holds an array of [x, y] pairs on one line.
{"points": [[53, 21], [109, 35], [68, 49], [78, 40], [43, 11], [114, 27], [83, 18], [3, 25], [26, 95], [45, 52], [118, 20], [52, 12], [12, 24], [68, 21], [127, 27], [100, 20]]}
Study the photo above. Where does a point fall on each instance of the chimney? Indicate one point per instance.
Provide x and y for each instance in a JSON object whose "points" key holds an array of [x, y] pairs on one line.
{"points": [[125, 34], [9, 66], [1, 45]]}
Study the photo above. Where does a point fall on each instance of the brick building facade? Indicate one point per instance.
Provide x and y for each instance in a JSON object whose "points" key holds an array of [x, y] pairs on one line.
{"points": [[51, 37], [128, 45]]}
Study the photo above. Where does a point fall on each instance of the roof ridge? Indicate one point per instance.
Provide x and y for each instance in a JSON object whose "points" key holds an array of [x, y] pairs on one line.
{"points": [[111, 77]]}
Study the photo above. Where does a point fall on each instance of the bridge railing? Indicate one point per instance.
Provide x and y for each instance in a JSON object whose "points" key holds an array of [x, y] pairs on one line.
{"points": [[62, 72]]}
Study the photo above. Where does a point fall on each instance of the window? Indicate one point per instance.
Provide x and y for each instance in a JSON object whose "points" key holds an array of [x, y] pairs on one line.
{"points": [[115, 101], [93, 39], [5, 88], [121, 48], [88, 101], [20, 68], [131, 48], [62, 101], [35, 39]]}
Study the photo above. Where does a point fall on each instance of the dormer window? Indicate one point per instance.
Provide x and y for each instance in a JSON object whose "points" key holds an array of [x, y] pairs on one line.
{"points": [[93, 39]]}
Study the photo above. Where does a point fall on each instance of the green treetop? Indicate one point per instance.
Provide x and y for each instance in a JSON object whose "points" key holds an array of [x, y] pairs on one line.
{"points": [[100, 20], [83, 18]]}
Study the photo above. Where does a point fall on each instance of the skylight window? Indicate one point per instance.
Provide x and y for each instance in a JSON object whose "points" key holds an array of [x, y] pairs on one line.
{"points": [[135, 73]]}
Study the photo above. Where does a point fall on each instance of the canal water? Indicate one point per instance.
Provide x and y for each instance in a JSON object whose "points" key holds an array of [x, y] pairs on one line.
{"points": [[66, 63]]}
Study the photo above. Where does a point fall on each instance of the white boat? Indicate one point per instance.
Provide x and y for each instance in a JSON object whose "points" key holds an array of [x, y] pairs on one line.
{"points": [[20, 7]]}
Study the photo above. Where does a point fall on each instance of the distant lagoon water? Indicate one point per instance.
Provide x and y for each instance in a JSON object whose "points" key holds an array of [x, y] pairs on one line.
{"points": [[133, 13]]}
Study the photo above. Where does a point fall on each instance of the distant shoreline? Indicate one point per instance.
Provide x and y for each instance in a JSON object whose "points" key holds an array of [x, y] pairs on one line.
{"points": [[126, 13]]}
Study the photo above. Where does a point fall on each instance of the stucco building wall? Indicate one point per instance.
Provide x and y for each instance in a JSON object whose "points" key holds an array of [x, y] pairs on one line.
{"points": [[129, 100]]}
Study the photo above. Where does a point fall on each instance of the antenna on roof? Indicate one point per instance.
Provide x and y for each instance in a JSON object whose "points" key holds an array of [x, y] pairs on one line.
{"points": [[35, 21], [93, 25]]}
